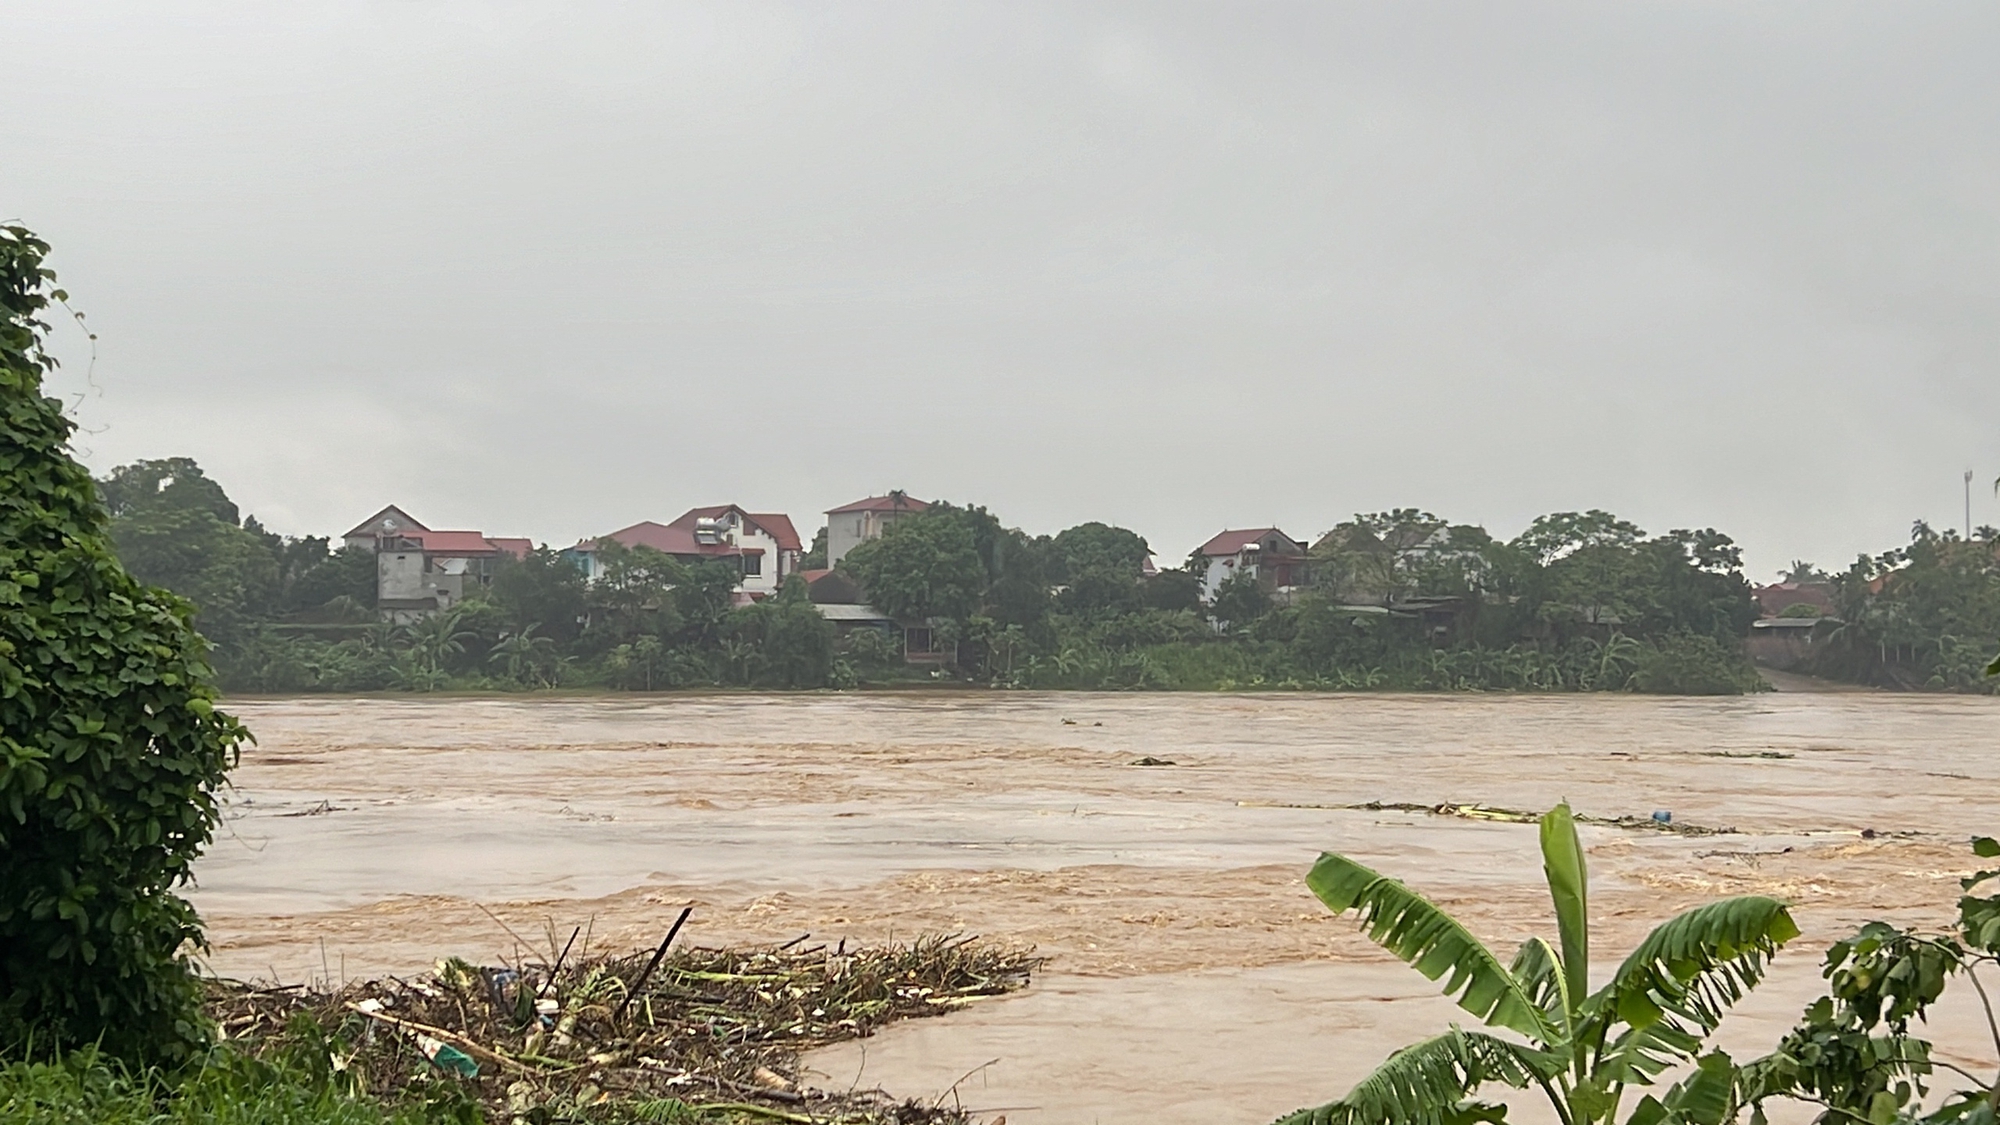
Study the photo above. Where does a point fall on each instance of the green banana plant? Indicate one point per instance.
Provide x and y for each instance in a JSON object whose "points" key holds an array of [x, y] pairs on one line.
{"points": [[1580, 1048]]}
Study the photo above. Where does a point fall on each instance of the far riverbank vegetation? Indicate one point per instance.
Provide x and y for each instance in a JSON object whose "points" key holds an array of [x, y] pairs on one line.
{"points": [[1400, 600]]}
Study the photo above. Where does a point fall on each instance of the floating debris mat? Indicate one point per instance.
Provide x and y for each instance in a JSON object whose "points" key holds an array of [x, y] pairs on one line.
{"points": [[691, 1034], [1658, 822]]}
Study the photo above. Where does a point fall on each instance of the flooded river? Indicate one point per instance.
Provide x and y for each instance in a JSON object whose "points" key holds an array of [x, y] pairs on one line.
{"points": [[1191, 976]]}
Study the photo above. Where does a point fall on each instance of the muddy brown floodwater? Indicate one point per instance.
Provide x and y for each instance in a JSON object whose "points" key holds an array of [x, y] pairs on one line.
{"points": [[1192, 978]]}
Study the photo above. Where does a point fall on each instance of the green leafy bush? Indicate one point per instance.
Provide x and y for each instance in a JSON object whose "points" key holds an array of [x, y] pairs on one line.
{"points": [[782, 643], [223, 1087], [110, 747], [1694, 664], [1855, 1051]]}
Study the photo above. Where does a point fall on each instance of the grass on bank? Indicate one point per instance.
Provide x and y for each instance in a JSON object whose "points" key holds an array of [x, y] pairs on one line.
{"points": [[225, 1087]]}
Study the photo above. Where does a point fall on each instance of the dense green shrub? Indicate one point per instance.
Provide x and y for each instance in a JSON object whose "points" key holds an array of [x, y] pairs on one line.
{"points": [[110, 747], [783, 642], [1693, 664]]}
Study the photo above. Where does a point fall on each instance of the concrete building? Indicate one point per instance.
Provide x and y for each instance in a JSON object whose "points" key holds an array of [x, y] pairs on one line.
{"points": [[763, 546], [1276, 560], [851, 525], [388, 521], [419, 571]]}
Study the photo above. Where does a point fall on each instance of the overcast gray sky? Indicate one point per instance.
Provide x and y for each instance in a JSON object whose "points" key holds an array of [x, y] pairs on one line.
{"points": [[550, 269]]}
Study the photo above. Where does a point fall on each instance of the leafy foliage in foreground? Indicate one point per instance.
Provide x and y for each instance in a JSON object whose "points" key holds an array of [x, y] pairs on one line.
{"points": [[1581, 1049], [1853, 1052], [110, 747]]}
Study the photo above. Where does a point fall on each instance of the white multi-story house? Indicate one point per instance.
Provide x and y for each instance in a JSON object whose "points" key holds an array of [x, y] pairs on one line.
{"points": [[1276, 560], [763, 546]]}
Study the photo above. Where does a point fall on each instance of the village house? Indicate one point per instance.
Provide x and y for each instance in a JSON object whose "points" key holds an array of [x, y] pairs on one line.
{"points": [[1784, 599], [1788, 643], [851, 525], [841, 600], [419, 571], [763, 546], [1276, 560], [1795, 623]]}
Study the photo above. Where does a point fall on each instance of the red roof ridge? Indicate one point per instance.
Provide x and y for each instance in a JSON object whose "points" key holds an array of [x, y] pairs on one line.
{"points": [[1232, 540], [367, 526], [881, 504]]}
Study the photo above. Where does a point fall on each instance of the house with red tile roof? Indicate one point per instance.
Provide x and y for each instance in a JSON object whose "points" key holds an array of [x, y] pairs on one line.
{"points": [[419, 571], [1276, 560], [1774, 600], [763, 546], [851, 525]]}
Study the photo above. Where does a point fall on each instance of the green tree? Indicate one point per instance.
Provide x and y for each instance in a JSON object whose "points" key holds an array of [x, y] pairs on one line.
{"points": [[1240, 601], [1097, 546], [1099, 567], [815, 556], [545, 591], [634, 596], [1173, 590], [703, 595], [348, 573], [923, 566], [642, 665], [1924, 615], [167, 484], [791, 645], [1580, 1048], [176, 528], [111, 749]]}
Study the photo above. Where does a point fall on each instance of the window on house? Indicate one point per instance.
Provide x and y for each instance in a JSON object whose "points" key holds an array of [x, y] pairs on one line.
{"points": [[753, 565], [917, 642]]}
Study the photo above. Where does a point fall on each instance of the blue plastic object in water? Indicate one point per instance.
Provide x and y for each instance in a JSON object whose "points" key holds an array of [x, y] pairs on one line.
{"points": [[1662, 816]]}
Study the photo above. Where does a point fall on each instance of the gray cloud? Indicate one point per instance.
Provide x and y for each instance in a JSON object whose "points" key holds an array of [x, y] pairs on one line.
{"points": [[548, 270]]}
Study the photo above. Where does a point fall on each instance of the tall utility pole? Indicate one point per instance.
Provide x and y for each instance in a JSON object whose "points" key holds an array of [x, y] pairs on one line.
{"points": [[1968, 505]]}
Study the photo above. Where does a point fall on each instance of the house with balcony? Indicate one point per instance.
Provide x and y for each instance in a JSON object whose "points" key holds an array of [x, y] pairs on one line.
{"points": [[762, 546], [1276, 560]]}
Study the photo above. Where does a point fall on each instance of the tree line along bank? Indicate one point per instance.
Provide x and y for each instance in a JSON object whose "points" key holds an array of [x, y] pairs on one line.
{"points": [[1399, 600]]}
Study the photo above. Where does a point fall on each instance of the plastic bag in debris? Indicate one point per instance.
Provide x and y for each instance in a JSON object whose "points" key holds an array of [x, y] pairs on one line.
{"points": [[448, 1058]]}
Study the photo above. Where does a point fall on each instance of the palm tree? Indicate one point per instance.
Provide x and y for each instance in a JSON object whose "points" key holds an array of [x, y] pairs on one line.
{"points": [[1581, 1048]]}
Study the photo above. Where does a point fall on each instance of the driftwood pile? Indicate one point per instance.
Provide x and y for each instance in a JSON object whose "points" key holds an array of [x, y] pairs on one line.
{"points": [[691, 1034]]}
